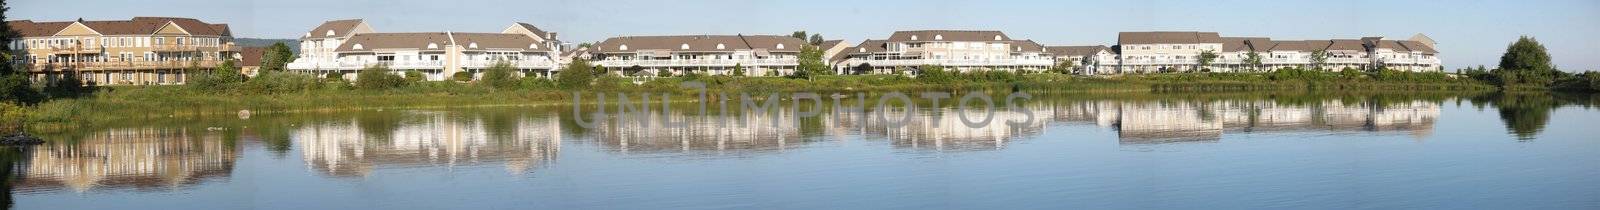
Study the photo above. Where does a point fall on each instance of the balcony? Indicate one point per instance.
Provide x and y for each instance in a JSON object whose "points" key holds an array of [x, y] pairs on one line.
{"points": [[308, 64], [698, 62], [954, 62], [122, 65], [189, 48], [520, 64]]}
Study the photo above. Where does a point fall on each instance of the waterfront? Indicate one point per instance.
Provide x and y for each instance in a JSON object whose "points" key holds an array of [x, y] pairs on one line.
{"points": [[1165, 151]]}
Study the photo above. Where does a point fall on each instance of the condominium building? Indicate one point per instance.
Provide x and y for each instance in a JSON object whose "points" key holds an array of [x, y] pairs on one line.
{"points": [[347, 46], [703, 54], [1081, 59], [138, 51], [959, 50], [1174, 51]]}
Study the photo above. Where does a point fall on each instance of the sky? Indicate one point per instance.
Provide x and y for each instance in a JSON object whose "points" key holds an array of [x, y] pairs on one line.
{"points": [[1469, 32]]}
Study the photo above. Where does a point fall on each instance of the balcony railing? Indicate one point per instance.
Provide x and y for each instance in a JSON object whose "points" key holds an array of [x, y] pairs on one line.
{"points": [[123, 65], [351, 65], [954, 62], [521, 64], [698, 62]]}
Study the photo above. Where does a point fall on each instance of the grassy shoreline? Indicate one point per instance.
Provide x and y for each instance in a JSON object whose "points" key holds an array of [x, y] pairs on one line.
{"points": [[155, 102]]}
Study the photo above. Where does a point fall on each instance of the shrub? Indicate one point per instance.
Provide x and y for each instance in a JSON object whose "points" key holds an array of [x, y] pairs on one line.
{"points": [[575, 75], [738, 70], [935, 75], [11, 117], [334, 77], [537, 83], [415, 76], [277, 82], [217, 79], [378, 78], [461, 76], [500, 76]]}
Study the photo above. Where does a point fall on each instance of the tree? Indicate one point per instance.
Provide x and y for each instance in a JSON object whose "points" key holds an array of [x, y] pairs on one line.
{"points": [[218, 78], [499, 76], [663, 73], [810, 63], [738, 70], [1205, 59], [1525, 62], [276, 57], [576, 75], [1063, 67], [585, 45], [378, 78], [1318, 59], [816, 39], [14, 84], [798, 35], [932, 74], [1254, 60], [415, 76]]}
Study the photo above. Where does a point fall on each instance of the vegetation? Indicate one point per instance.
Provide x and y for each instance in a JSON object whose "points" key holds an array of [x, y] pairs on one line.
{"points": [[276, 57], [499, 76], [378, 78], [738, 70], [219, 78], [576, 75], [1204, 61]]}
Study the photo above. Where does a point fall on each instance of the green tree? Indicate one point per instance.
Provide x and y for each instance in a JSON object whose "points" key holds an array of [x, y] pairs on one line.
{"points": [[499, 76], [932, 74], [810, 63], [15, 87], [816, 39], [1318, 59], [276, 57], [1205, 59], [415, 76], [1525, 62], [1254, 60], [221, 77], [576, 75], [378, 78], [738, 70], [1063, 67], [798, 35]]}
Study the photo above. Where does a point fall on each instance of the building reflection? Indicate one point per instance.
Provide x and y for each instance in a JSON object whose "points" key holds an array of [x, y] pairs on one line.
{"points": [[356, 146], [1159, 122], [133, 158]]}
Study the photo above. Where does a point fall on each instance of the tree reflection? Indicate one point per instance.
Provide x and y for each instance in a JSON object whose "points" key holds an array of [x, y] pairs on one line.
{"points": [[1526, 114]]}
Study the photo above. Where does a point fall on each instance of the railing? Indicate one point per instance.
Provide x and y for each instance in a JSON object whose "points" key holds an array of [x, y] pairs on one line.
{"points": [[521, 64], [123, 65], [954, 62], [348, 65], [698, 62]]}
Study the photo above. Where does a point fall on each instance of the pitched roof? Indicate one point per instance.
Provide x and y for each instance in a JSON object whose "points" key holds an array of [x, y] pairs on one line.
{"points": [[1235, 44], [495, 41], [339, 28], [1167, 37], [536, 31], [417, 41], [1346, 45], [870, 46], [1026, 46], [830, 43], [1291, 46], [1417, 46], [948, 35], [1075, 50], [251, 56], [700, 43], [135, 26]]}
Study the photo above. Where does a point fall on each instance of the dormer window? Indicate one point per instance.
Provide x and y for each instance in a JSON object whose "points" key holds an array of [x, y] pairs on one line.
{"points": [[938, 37], [533, 46], [683, 47], [997, 37], [357, 46], [780, 46], [330, 33], [433, 46], [913, 37], [473, 45], [861, 49], [623, 47], [720, 46]]}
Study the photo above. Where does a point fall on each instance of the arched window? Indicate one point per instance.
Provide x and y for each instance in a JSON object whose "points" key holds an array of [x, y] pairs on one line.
{"points": [[473, 45], [684, 46], [357, 46], [623, 47], [997, 37], [780, 46], [433, 46], [913, 37], [720, 46], [938, 37], [533, 46], [330, 33]]}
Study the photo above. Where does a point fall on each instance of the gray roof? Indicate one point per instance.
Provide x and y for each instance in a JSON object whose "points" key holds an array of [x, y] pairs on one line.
{"points": [[1167, 37], [1075, 50], [135, 26], [1026, 46], [420, 41], [700, 43], [948, 35], [1417, 46], [869, 46]]}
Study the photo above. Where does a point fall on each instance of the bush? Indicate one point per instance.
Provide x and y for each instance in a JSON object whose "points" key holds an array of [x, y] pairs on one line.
{"points": [[537, 83], [334, 77], [276, 82], [461, 76], [11, 117], [222, 77], [935, 75], [500, 76], [415, 76], [378, 78], [575, 75]]}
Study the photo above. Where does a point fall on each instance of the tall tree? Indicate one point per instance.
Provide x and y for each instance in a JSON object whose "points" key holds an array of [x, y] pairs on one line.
{"points": [[810, 63], [276, 57], [1526, 55], [816, 39], [1205, 59], [14, 84], [1318, 59], [1254, 60], [798, 35], [576, 75]]}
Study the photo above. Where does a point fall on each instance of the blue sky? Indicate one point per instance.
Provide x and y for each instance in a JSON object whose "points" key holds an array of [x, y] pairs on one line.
{"points": [[1469, 32]]}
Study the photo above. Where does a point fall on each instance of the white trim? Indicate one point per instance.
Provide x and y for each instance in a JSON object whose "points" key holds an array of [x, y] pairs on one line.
{"points": [[58, 33], [180, 28]]}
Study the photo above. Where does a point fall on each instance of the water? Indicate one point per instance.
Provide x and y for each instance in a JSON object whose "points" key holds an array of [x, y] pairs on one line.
{"points": [[1161, 151]]}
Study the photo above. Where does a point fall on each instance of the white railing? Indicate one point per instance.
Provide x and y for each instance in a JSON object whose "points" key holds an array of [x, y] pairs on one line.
{"points": [[351, 65], [954, 62], [521, 64], [698, 62]]}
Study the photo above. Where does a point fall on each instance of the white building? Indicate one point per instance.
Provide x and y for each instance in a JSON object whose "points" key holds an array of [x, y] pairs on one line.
{"points": [[959, 50], [347, 46], [1175, 51]]}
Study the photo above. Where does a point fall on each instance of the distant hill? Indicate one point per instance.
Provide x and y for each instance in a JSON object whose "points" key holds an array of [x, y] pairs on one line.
{"points": [[254, 42]]}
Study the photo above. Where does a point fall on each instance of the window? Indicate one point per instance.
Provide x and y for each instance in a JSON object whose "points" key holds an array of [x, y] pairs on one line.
{"points": [[158, 41]]}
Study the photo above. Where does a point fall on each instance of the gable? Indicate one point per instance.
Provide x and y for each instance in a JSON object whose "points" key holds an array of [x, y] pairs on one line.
{"points": [[172, 29], [77, 29]]}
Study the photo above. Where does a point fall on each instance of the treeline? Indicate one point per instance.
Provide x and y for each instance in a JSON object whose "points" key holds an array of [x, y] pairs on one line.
{"points": [[1526, 66]]}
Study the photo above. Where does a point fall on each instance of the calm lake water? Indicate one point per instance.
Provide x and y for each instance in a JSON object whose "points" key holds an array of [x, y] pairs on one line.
{"points": [[1149, 151]]}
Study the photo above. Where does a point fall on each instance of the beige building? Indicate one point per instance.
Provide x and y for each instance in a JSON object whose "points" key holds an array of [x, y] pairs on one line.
{"points": [[347, 46], [703, 54], [138, 51], [960, 50]]}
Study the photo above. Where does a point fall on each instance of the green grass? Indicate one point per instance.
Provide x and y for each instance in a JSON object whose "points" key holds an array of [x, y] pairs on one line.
{"points": [[114, 104]]}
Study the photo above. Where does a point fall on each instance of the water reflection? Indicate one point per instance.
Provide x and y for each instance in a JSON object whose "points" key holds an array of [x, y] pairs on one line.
{"points": [[137, 158], [355, 146]]}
